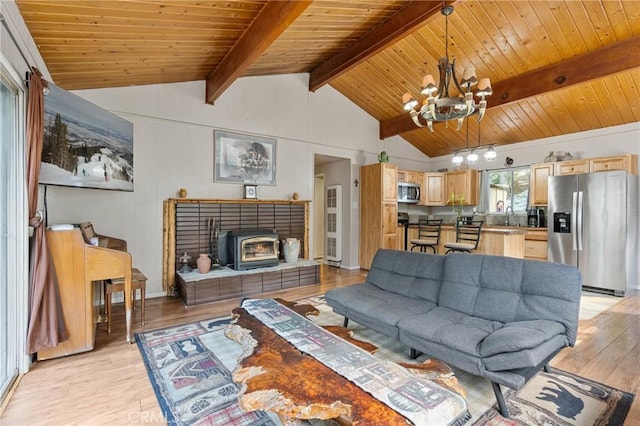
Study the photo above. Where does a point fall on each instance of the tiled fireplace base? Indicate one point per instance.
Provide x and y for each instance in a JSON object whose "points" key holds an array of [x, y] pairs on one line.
{"points": [[225, 283]]}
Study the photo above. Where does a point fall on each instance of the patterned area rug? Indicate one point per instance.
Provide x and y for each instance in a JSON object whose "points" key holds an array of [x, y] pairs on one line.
{"points": [[561, 398], [190, 369]]}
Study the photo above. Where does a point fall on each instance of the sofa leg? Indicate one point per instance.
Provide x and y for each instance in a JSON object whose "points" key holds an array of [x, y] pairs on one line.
{"points": [[415, 353], [346, 321], [502, 406], [546, 368]]}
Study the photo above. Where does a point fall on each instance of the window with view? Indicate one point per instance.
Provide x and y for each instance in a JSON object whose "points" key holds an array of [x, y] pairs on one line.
{"points": [[507, 187]]}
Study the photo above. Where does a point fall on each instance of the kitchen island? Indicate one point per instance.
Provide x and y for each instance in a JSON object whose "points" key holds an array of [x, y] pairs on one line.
{"points": [[495, 240]]}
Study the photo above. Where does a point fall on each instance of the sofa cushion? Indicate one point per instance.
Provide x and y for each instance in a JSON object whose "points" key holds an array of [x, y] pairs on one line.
{"points": [[449, 328], [520, 335], [526, 358], [378, 307], [407, 273], [506, 289]]}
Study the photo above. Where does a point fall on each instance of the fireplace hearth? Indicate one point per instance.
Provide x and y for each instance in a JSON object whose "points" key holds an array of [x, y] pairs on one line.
{"points": [[250, 249]]}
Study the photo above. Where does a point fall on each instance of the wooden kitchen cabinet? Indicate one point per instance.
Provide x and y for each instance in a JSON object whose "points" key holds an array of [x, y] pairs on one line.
{"points": [[408, 176], [432, 189], [572, 167], [378, 210], [388, 183], [627, 162], [463, 183], [535, 244], [538, 182]]}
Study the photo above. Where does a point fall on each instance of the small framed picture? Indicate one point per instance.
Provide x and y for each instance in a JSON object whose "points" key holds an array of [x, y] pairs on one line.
{"points": [[250, 192]]}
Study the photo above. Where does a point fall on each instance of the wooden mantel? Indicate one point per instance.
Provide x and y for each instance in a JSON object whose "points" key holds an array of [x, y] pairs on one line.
{"points": [[291, 216]]}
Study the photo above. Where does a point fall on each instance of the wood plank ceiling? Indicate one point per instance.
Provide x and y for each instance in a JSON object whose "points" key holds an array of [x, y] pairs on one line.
{"points": [[580, 59]]}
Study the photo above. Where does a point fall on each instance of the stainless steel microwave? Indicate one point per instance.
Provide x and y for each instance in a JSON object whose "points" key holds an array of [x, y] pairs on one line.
{"points": [[408, 192]]}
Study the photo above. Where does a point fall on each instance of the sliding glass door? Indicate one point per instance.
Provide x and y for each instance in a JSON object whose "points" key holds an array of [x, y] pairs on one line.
{"points": [[13, 238]]}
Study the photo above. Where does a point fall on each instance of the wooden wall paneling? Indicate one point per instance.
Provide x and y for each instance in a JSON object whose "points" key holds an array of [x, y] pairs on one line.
{"points": [[309, 275], [266, 216], [207, 290], [230, 287], [230, 216], [188, 226], [251, 284], [290, 278], [169, 243], [282, 221], [271, 281], [298, 221], [249, 216]]}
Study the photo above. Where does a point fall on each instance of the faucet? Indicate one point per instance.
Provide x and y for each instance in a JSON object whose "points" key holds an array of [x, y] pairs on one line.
{"points": [[506, 214]]}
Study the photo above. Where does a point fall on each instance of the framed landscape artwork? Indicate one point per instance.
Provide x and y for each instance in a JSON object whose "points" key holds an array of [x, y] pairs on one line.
{"points": [[240, 158], [85, 145]]}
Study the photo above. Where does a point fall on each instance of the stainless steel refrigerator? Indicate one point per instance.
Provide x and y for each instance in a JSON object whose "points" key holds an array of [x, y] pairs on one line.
{"points": [[593, 224]]}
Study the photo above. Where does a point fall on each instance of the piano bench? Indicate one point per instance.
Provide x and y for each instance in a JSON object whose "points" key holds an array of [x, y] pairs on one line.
{"points": [[138, 282]]}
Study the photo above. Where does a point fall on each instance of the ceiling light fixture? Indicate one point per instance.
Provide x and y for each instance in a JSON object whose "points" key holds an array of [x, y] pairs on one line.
{"points": [[472, 156], [439, 105]]}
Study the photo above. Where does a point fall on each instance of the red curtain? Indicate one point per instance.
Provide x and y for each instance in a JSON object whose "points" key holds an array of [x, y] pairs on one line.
{"points": [[46, 325]]}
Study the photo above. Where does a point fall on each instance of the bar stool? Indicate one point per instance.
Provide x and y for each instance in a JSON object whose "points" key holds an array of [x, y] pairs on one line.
{"points": [[428, 235], [138, 282], [467, 237]]}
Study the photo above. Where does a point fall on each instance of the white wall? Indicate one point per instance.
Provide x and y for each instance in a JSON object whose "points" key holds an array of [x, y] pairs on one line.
{"points": [[173, 148], [615, 140]]}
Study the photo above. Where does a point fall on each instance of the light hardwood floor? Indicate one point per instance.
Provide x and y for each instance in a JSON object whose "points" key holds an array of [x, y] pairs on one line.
{"points": [[109, 385]]}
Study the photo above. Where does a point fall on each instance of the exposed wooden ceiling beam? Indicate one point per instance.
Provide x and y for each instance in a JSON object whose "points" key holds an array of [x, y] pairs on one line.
{"points": [[398, 26], [274, 18], [611, 59]]}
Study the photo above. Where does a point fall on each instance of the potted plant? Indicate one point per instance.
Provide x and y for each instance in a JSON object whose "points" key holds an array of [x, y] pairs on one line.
{"points": [[456, 202]]}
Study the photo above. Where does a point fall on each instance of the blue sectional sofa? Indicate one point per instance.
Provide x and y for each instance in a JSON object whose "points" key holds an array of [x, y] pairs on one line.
{"points": [[496, 317]]}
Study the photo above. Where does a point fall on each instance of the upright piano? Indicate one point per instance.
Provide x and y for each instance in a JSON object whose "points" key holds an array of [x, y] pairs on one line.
{"points": [[80, 267]]}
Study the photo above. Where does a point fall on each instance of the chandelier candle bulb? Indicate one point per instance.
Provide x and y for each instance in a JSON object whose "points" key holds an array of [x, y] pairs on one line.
{"points": [[469, 76], [408, 101], [429, 85], [484, 88]]}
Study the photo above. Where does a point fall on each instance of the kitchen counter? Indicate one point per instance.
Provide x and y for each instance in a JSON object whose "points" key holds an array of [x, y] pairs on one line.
{"points": [[494, 239], [492, 228]]}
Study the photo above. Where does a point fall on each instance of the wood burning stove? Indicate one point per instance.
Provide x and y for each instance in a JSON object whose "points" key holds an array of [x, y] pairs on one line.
{"points": [[253, 249]]}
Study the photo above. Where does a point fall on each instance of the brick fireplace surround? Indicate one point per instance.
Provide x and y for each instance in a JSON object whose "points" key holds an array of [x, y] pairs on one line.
{"points": [[187, 228]]}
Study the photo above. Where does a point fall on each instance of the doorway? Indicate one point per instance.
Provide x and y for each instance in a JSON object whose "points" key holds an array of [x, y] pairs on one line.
{"points": [[331, 171]]}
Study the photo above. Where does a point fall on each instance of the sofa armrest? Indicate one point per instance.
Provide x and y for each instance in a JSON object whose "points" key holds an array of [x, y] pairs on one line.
{"points": [[520, 335]]}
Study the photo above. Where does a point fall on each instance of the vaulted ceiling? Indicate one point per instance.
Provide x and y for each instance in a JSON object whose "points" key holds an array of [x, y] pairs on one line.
{"points": [[556, 67]]}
